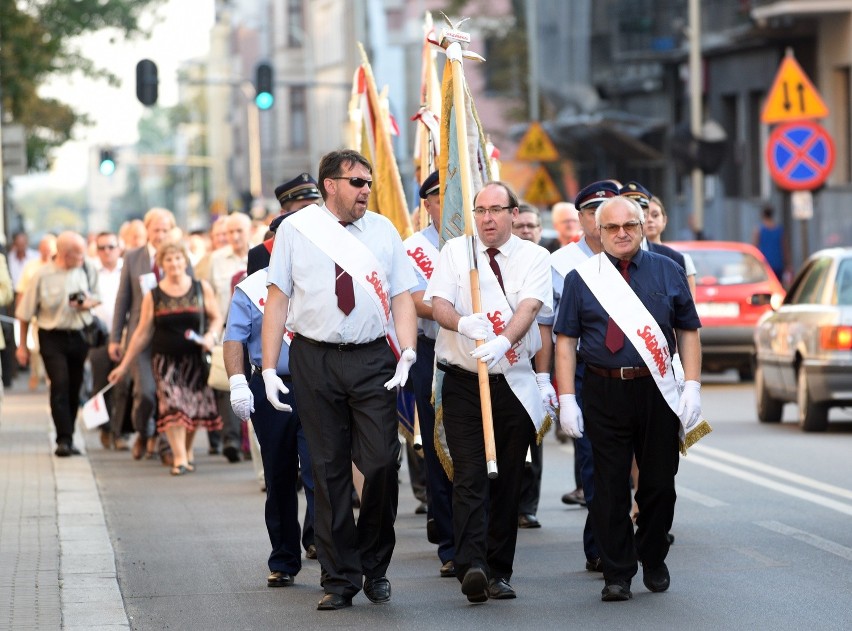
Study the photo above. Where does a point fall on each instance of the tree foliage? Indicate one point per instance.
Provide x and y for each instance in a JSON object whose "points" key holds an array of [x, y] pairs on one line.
{"points": [[37, 41]]}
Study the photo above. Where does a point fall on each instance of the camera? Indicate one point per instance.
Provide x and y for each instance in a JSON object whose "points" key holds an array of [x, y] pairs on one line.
{"points": [[78, 296]]}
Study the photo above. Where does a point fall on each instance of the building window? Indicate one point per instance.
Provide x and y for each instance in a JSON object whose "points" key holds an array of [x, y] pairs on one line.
{"points": [[295, 24], [298, 119]]}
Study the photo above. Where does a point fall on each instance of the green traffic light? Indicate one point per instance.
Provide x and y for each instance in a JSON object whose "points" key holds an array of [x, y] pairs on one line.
{"points": [[264, 100], [107, 167]]}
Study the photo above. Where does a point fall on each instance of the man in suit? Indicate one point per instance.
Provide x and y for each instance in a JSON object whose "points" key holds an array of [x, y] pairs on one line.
{"points": [[138, 276]]}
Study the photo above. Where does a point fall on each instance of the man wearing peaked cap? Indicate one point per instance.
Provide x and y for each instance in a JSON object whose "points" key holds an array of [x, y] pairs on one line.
{"points": [[634, 190], [594, 194], [303, 186], [430, 185]]}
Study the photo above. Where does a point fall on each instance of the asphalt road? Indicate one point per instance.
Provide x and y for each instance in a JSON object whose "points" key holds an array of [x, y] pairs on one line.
{"points": [[762, 526]]}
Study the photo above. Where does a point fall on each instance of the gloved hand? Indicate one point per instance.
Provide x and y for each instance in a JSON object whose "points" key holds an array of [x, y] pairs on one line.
{"points": [[492, 351], [677, 369], [242, 400], [570, 416], [474, 326], [408, 357], [273, 385], [548, 394], [689, 407]]}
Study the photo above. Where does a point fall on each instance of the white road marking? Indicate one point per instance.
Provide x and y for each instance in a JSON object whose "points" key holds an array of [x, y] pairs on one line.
{"points": [[700, 498], [806, 537]]}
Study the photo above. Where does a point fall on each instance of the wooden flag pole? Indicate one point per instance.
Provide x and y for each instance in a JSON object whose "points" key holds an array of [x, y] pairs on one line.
{"points": [[454, 54]]}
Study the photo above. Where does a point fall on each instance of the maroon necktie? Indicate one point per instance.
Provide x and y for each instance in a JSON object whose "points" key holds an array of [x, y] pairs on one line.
{"points": [[343, 286], [492, 261], [614, 335], [156, 270]]}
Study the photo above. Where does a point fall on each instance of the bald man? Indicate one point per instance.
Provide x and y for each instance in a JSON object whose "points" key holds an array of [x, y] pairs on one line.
{"points": [[566, 222]]}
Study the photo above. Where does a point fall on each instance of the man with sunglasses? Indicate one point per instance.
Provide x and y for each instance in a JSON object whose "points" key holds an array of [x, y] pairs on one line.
{"points": [[339, 279], [628, 306], [514, 278]]}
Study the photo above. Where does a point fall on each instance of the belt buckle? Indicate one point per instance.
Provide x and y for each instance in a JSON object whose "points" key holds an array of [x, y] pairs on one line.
{"points": [[341, 347], [621, 372]]}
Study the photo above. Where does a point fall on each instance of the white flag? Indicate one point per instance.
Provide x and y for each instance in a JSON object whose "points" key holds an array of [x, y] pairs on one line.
{"points": [[95, 411]]}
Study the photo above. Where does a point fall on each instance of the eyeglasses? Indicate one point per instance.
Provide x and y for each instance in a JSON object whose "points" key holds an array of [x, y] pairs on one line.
{"points": [[615, 228], [102, 248], [526, 226], [494, 210], [355, 182]]}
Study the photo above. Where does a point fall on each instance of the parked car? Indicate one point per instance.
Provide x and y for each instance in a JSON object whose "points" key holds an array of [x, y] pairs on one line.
{"points": [[804, 349], [734, 286]]}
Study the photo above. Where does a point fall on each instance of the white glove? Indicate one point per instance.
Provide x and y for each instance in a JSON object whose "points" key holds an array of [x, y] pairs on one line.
{"points": [[242, 400], [273, 385], [492, 351], [570, 416], [548, 394], [689, 408], [677, 369], [407, 358], [474, 326]]}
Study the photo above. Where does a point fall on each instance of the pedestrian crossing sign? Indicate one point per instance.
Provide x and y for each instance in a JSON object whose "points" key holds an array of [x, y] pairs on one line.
{"points": [[536, 145], [792, 95], [542, 191]]}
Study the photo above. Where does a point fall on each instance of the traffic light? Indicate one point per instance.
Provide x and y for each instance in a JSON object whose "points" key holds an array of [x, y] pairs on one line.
{"points": [[107, 163], [263, 85], [146, 82]]}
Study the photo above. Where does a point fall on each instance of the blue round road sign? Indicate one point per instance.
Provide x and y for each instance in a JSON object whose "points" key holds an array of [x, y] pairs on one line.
{"points": [[800, 156]]}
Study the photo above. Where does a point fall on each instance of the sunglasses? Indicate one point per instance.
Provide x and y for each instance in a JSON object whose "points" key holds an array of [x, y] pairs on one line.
{"points": [[615, 228], [355, 182], [102, 248]]}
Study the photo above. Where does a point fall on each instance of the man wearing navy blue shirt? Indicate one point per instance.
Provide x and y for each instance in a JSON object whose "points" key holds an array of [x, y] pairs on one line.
{"points": [[625, 408]]}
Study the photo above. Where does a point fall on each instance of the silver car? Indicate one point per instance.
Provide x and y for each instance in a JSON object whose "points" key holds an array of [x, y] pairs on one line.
{"points": [[804, 349]]}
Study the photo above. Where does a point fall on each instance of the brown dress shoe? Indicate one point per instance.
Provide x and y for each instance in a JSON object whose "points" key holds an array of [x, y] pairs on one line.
{"points": [[138, 448]]}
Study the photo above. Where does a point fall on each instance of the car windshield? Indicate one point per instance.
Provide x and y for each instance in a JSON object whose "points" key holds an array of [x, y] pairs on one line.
{"points": [[726, 267]]}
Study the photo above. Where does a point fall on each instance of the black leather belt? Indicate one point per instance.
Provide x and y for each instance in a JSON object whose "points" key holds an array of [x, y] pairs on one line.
{"points": [[258, 370], [466, 374], [624, 373], [342, 346]]}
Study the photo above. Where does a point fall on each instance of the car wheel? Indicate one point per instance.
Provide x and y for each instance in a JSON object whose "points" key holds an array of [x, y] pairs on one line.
{"points": [[813, 417], [769, 409]]}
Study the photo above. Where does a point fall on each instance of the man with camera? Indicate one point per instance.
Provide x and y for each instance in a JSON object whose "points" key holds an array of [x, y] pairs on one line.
{"points": [[60, 297]]}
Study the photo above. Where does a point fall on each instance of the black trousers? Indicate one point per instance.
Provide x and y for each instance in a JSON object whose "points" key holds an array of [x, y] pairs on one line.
{"points": [[348, 416], [64, 353], [531, 483], [623, 418], [485, 512]]}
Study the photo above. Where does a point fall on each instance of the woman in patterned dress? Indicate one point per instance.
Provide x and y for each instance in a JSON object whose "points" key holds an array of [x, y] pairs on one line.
{"points": [[177, 305]]}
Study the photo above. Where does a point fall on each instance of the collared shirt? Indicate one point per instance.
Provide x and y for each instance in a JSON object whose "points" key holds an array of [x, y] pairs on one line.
{"points": [[244, 325], [429, 328], [224, 266], [16, 265], [46, 297], [307, 275], [108, 281], [525, 268], [660, 284]]}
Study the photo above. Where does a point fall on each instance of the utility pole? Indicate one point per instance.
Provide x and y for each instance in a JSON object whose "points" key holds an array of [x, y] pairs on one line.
{"points": [[532, 59], [695, 114]]}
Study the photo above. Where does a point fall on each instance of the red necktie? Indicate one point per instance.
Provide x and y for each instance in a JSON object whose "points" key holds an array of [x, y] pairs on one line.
{"points": [[343, 287], [156, 270], [614, 335], [492, 261]]}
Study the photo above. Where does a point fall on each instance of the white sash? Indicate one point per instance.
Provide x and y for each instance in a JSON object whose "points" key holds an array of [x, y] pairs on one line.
{"points": [[343, 248], [515, 364], [631, 316], [422, 254], [567, 258], [254, 286]]}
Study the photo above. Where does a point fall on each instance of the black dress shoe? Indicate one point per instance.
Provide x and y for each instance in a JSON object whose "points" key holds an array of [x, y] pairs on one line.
{"points": [[574, 497], [330, 602], [279, 579], [231, 453], [594, 565], [499, 589], [311, 552], [74, 450], [377, 590], [616, 591], [448, 569], [528, 520], [63, 450], [656, 579], [432, 531], [422, 509], [475, 585]]}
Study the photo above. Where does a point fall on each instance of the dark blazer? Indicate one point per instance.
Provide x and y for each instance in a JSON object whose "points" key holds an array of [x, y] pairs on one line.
{"points": [[258, 257], [128, 300]]}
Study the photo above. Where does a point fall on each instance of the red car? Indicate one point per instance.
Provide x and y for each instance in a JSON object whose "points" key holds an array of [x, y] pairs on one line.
{"points": [[734, 286]]}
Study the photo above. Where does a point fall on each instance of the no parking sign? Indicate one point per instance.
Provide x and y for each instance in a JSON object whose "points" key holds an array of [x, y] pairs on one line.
{"points": [[800, 155]]}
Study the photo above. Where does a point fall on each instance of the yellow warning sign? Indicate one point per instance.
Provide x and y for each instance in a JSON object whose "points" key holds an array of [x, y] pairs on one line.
{"points": [[792, 96], [536, 145], [542, 191]]}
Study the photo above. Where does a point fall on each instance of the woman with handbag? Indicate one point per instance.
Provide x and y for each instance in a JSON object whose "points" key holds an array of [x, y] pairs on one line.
{"points": [[172, 315], [59, 299]]}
